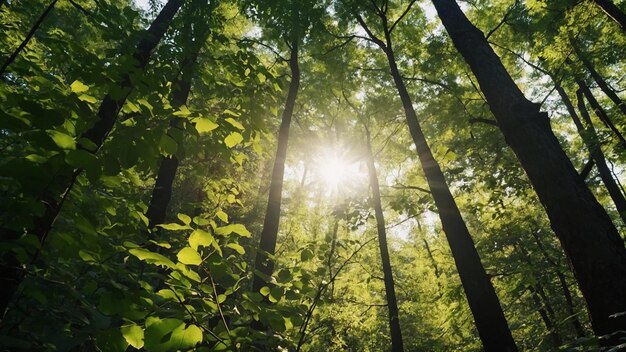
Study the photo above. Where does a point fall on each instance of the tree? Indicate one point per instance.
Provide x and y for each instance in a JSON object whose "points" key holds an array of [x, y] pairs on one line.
{"points": [[554, 179]]}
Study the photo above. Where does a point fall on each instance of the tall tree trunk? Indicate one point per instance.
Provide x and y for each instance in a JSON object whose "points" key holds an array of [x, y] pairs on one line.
{"points": [[490, 322], [543, 312], [30, 34], [162, 191], [12, 272], [593, 143], [390, 291], [571, 309], [586, 232], [604, 86], [613, 12], [590, 138], [269, 233], [600, 112]]}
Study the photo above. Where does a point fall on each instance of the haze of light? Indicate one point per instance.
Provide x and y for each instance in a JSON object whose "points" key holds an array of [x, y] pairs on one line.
{"points": [[335, 171]]}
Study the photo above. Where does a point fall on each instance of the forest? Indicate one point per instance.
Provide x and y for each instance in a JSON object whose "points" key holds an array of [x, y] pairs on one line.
{"points": [[312, 175]]}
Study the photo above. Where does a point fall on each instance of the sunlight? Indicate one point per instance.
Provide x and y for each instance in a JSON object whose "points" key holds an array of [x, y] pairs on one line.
{"points": [[335, 170]]}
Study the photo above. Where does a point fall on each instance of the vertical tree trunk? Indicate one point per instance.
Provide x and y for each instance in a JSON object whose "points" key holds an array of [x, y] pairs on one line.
{"points": [[30, 34], [490, 322], [604, 86], [590, 138], [593, 143], [586, 232], [269, 233], [162, 191], [12, 272], [600, 112], [390, 291], [613, 12], [556, 338]]}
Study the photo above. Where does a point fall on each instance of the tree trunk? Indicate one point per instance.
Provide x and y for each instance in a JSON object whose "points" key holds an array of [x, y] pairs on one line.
{"points": [[613, 12], [600, 112], [30, 34], [604, 86], [593, 143], [12, 271], [543, 312], [162, 191], [490, 321], [590, 138], [269, 233], [390, 291], [586, 232]]}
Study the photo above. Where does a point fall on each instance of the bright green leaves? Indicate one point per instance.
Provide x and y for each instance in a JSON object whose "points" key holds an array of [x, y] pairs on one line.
{"points": [[200, 238], [62, 140], [170, 335], [204, 125], [184, 218], [233, 139], [189, 256], [235, 123], [151, 257], [133, 334], [79, 87], [236, 228]]}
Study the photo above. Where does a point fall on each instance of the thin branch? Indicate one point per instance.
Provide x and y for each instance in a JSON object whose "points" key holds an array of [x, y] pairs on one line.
{"points": [[367, 30], [408, 8]]}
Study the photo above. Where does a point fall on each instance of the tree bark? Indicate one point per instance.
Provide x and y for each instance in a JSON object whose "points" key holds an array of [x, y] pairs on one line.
{"points": [[269, 233], [490, 322], [613, 12], [590, 240], [600, 112], [590, 137], [390, 291], [29, 36], [604, 86], [543, 312], [12, 272]]}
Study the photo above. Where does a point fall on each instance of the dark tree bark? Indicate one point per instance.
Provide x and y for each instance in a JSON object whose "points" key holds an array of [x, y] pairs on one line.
{"points": [[604, 86], [590, 137], [600, 112], [490, 322], [12, 272], [269, 233], [390, 291], [30, 34], [590, 240], [162, 191], [545, 316], [613, 12]]}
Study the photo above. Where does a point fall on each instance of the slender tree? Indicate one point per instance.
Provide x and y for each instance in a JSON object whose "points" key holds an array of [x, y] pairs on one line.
{"points": [[613, 12], [586, 232], [29, 36], [490, 322], [390, 291], [12, 272]]}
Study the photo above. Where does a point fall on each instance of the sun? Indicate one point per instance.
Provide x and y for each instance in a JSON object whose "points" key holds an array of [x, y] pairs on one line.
{"points": [[335, 170]]}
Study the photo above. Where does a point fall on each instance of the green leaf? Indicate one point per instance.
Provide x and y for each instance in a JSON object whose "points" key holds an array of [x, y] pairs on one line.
{"points": [[167, 145], [79, 87], [88, 98], [222, 216], [232, 113], [265, 290], [238, 248], [184, 218], [189, 256], [233, 139], [305, 255], [81, 159], [174, 227], [204, 125], [62, 140], [151, 257], [170, 335], [182, 111], [236, 228], [235, 123], [200, 238], [133, 335]]}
